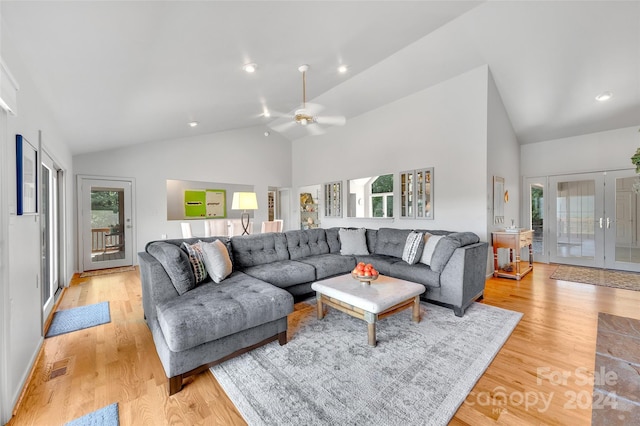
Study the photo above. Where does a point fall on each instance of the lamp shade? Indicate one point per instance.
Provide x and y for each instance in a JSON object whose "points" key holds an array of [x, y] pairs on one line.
{"points": [[244, 201]]}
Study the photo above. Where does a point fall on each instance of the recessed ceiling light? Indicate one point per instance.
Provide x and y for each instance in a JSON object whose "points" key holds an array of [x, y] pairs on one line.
{"points": [[266, 113], [250, 68], [343, 69], [193, 123], [604, 96]]}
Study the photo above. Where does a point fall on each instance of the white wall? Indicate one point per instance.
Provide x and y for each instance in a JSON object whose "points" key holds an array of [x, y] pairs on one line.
{"points": [[444, 126], [242, 156], [610, 150], [503, 158], [24, 305]]}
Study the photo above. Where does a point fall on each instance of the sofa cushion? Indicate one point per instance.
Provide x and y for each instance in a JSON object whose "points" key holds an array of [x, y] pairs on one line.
{"points": [[372, 237], [413, 247], [194, 251], [216, 259], [259, 249], [381, 262], [212, 311], [418, 273], [431, 241], [353, 241], [306, 243], [283, 273], [175, 262], [447, 245], [333, 239], [390, 241], [328, 265]]}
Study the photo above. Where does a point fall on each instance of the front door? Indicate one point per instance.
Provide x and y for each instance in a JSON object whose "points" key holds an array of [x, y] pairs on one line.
{"points": [[107, 225]]}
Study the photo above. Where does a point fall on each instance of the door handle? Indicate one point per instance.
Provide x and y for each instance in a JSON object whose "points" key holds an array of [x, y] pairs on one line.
{"points": [[600, 223], [608, 223]]}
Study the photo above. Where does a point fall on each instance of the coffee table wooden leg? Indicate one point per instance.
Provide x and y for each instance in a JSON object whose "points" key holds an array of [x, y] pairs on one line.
{"points": [[320, 307], [371, 327], [416, 309], [372, 333]]}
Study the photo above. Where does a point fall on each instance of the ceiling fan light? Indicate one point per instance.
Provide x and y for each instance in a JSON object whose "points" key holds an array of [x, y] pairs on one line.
{"points": [[604, 96], [250, 68]]}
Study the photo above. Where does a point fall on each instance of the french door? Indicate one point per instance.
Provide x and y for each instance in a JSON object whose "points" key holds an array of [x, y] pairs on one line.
{"points": [[594, 220], [107, 226]]}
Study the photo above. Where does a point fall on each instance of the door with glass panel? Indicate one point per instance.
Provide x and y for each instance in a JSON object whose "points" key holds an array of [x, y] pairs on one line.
{"points": [[106, 223], [576, 219], [50, 229], [620, 222], [534, 217]]}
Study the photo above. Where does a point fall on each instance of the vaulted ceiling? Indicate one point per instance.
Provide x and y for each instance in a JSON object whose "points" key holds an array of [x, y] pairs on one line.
{"points": [[124, 72]]}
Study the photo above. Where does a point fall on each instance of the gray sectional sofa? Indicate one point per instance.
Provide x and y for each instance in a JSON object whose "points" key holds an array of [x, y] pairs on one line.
{"points": [[210, 323]]}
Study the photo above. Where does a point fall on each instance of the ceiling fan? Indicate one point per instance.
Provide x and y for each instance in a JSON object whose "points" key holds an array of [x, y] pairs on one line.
{"points": [[307, 116]]}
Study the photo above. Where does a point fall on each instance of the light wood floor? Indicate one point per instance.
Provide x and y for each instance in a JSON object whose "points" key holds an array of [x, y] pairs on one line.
{"points": [[550, 355]]}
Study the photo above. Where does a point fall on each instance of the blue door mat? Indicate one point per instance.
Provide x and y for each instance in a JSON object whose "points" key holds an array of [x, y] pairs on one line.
{"points": [[79, 318]]}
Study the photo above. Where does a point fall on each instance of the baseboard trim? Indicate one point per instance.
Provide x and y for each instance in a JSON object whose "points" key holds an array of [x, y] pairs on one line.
{"points": [[32, 370]]}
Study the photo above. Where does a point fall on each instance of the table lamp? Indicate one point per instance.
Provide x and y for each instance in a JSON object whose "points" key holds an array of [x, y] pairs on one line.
{"points": [[244, 201]]}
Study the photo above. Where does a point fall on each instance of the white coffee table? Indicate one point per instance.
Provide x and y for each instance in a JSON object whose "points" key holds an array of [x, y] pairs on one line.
{"points": [[370, 302]]}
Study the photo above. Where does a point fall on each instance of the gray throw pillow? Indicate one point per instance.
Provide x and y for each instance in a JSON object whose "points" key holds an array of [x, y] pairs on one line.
{"points": [[413, 248], [176, 262], [217, 260], [353, 241]]}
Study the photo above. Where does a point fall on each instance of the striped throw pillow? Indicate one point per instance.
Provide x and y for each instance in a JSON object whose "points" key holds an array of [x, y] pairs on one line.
{"points": [[413, 247], [196, 258]]}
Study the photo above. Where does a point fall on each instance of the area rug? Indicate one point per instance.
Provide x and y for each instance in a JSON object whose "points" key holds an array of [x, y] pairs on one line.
{"points": [[106, 416], [419, 373], [79, 318], [595, 276], [98, 272], [616, 389]]}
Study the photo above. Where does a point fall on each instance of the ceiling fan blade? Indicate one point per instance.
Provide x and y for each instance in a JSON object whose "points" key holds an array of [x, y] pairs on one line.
{"points": [[314, 129], [336, 120], [276, 114], [284, 126]]}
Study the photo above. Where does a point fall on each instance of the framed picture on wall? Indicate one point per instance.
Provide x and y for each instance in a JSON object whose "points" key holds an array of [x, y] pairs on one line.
{"points": [[27, 176], [209, 203]]}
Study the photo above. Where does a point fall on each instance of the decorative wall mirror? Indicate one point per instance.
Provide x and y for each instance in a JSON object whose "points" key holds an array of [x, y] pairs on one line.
{"points": [[333, 199], [498, 200], [370, 197], [416, 194]]}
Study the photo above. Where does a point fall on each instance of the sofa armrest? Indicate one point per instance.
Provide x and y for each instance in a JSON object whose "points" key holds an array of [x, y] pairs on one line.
{"points": [[463, 278], [156, 284]]}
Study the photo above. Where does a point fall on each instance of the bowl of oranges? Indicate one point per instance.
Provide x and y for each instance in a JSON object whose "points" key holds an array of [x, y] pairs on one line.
{"points": [[365, 273]]}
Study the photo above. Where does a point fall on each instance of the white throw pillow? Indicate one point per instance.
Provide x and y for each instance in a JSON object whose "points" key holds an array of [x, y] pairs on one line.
{"points": [[353, 241], [217, 260], [431, 241], [413, 247]]}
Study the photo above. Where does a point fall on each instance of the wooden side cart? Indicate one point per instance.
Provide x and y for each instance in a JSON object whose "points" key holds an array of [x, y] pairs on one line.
{"points": [[514, 242]]}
